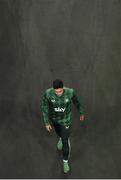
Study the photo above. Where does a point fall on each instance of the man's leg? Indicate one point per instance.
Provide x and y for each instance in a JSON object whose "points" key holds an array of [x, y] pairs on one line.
{"points": [[57, 129], [65, 133], [58, 132]]}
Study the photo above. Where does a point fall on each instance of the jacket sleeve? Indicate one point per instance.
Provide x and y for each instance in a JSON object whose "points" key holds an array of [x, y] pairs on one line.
{"points": [[76, 102], [45, 109]]}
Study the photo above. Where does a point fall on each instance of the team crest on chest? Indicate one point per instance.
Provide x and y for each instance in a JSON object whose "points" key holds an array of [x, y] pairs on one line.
{"points": [[66, 100]]}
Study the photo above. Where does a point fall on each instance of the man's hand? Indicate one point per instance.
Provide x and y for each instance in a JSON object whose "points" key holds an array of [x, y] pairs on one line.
{"points": [[82, 118], [49, 127]]}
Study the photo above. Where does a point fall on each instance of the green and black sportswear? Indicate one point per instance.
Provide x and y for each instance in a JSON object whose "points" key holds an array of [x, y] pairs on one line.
{"points": [[58, 109]]}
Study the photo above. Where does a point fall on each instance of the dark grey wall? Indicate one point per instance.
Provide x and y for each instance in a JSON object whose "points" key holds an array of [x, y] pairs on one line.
{"points": [[78, 41]]}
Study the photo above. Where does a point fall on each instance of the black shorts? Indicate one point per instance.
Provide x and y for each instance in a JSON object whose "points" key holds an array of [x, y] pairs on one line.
{"points": [[62, 131]]}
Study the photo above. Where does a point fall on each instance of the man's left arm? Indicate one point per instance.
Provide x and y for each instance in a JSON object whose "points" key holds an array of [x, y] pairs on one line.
{"points": [[76, 101]]}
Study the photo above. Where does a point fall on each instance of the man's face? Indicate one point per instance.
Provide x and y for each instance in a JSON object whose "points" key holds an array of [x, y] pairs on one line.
{"points": [[58, 91]]}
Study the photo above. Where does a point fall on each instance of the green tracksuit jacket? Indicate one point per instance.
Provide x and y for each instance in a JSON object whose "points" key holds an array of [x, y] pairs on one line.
{"points": [[58, 109]]}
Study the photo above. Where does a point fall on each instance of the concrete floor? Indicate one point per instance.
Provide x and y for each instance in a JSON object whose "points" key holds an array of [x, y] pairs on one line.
{"points": [[79, 42]]}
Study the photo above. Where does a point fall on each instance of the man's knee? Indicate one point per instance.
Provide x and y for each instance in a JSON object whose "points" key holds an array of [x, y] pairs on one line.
{"points": [[65, 142]]}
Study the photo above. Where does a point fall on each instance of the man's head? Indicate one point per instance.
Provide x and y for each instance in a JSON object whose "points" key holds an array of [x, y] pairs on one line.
{"points": [[58, 87]]}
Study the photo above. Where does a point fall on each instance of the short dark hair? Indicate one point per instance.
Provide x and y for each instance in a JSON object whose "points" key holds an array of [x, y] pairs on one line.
{"points": [[57, 84]]}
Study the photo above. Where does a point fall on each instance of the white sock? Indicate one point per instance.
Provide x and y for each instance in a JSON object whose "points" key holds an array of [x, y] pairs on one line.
{"points": [[65, 160]]}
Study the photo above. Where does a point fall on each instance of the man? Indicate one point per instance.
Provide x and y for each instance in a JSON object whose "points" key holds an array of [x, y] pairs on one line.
{"points": [[56, 108]]}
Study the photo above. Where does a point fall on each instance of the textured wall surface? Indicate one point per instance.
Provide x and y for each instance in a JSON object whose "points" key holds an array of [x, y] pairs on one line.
{"points": [[78, 41]]}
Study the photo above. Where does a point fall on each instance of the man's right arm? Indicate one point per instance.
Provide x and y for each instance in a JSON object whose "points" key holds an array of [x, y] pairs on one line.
{"points": [[45, 109], [45, 112]]}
